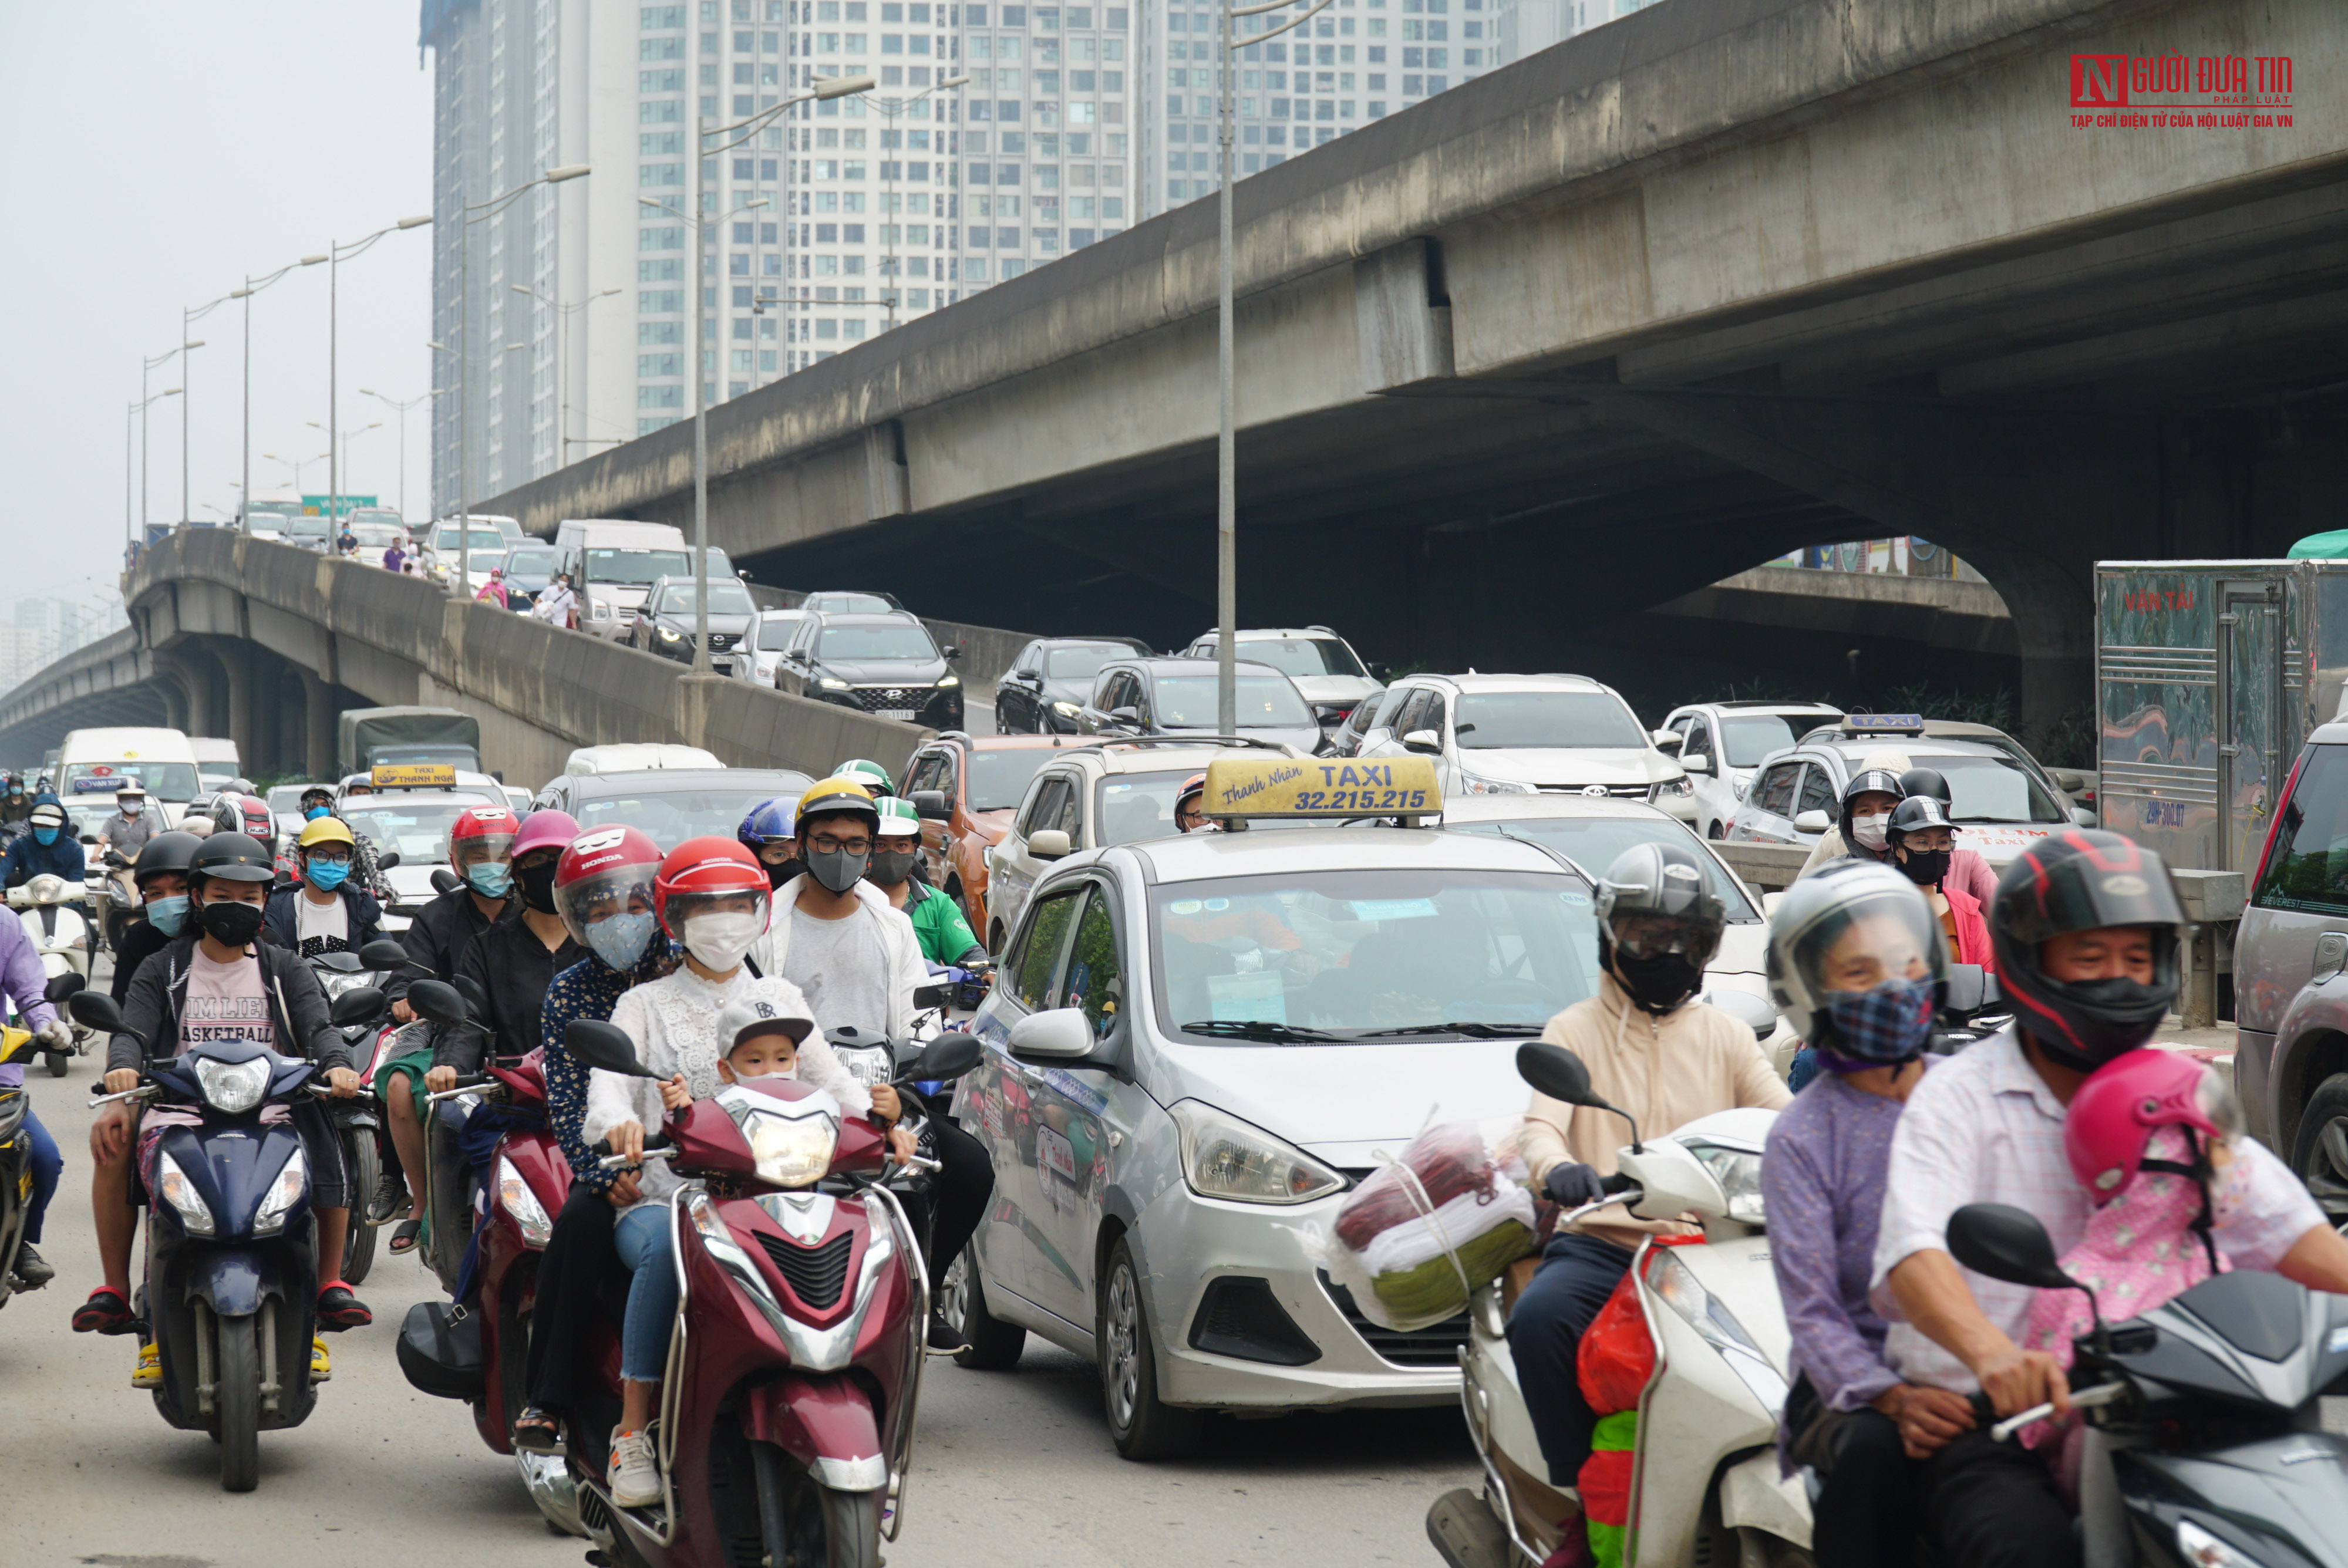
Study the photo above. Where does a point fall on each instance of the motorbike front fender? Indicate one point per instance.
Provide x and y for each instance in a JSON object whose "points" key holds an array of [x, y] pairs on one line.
{"points": [[235, 1281], [823, 1421]]}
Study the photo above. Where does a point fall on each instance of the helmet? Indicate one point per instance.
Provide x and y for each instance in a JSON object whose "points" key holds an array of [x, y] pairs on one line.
{"points": [[838, 794], [232, 857], [1679, 923], [543, 830], [701, 869], [325, 830], [1838, 941], [482, 833], [2084, 879], [49, 814], [200, 827], [1925, 781], [1869, 780], [609, 871], [1196, 785], [867, 772], [1914, 815], [165, 852], [898, 819], [2115, 1110], [240, 785], [768, 821]]}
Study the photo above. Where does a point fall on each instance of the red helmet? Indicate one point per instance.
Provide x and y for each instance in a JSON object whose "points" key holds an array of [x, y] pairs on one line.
{"points": [[486, 830], [610, 870], [702, 869], [2122, 1101]]}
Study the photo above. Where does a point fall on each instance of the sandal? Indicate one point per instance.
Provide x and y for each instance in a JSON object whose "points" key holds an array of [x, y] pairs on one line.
{"points": [[404, 1234], [339, 1307], [106, 1311], [536, 1432]]}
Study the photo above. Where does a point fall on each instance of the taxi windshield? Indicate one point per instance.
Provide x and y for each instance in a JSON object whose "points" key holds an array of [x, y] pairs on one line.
{"points": [[1593, 842], [1370, 954], [1994, 789], [416, 826]]}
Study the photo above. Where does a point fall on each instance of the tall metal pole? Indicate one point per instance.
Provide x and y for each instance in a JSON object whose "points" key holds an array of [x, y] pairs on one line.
{"points": [[1227, 614], [244, 494], [334, 411], [143, 401], [130, 521], [464, 405], [701, 665], [186, 397]]}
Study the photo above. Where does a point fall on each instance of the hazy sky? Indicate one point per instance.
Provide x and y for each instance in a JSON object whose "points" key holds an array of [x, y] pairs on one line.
{"points": [[229, 137]]}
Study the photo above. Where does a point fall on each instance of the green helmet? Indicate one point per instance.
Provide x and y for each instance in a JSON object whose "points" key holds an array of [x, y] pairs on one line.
{"points": [[898, 819], [868, 774]]}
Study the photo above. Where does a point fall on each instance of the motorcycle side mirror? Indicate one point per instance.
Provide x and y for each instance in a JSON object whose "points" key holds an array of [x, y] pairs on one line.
{"points": [[97, 1010], [1561, 1075], [949, 1056], [437, 1000], [2008, 1244], [341, 963], [383, 953], [477, 1001], [62, 987], [1747, 1010], [444, 880], [933, 996], [113, 858], [1961, 992], [606, 1046], [386, 860], [360, 1004]]}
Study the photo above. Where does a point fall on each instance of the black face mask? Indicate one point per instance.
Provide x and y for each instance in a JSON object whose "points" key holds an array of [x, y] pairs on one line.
{"points": [[231, 925], [891, 867], [1659, 984], [778, 875], [2112, 1017], [1926, 867], [537, 885]]}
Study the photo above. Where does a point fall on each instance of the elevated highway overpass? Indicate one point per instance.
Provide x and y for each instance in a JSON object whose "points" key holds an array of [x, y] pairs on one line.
{"points": [[1717, 280]]}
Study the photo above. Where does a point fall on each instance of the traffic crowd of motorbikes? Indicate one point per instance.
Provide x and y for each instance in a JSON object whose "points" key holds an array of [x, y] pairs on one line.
{"points": [[2028, 1294]]}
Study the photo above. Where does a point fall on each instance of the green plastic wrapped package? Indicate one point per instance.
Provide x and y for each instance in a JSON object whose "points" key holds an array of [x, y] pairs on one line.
{"points": [[1431, 1291]]}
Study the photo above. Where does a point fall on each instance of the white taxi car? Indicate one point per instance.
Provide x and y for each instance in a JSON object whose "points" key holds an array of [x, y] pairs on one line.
{"points": [[406, 810], [1196, 1044]]}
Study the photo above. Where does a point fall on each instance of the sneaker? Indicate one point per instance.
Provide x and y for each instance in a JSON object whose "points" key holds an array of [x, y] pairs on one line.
{"points": [[944, 1338], [339, 1307], [105, 1312], [148, 1373], [633, 1479], [322, 1371], [33, 1268]]}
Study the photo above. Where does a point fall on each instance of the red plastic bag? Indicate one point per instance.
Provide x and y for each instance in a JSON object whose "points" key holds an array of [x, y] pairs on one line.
{"points": [[1448, 1160], [1617, 1357]]}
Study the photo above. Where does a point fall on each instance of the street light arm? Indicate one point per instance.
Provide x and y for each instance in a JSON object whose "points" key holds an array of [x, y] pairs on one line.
{"points": [[1284, 27], [830, 88]]}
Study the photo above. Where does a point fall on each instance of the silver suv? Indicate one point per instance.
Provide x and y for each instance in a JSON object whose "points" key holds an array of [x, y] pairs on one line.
{"points": [[1528, 734]]}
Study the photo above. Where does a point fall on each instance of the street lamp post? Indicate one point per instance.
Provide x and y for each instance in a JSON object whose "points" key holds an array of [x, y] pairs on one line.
{"points": [[401, 409], [297, 467], [563, 314], [342, 464], [130, 520], [244, 484], [188, 318], [336, 254], [893, 108], [147, 368]]}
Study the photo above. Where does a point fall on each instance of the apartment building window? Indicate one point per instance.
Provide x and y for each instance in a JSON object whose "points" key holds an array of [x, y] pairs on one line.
{"points": [[654, 18], [660, 396]]}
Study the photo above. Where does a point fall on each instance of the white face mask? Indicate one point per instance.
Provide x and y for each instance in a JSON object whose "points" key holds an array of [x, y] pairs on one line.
{"points": [[1869, 830], [720, 940]]}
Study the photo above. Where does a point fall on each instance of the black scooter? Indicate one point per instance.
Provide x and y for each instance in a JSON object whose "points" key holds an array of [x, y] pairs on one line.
{"points": [[230, 1291], [2204, 1437]]}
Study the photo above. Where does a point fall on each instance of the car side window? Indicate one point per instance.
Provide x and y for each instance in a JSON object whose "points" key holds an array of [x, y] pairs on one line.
{"points": [[922, 774], [1818, 791], [1422, 712], [1092, 980], [1029, 657], [1034, 958], [1071, 818], [1699, 739], [1389, 703], [1043, 805], [1775, 793]]}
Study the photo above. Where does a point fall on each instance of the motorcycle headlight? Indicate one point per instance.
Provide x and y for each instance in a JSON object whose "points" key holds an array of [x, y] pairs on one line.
{"points": [[1679, 788], [523, 1204], [195, 1215], [1476, 783], [1224, 1157], [830, 685], [46, 888], [1739, 1175], [791, 1151], [291, 1181], [334, 982], [2203, 1549], [945, 681], [1067, 710], [1677, 1284], [232, 1088]]}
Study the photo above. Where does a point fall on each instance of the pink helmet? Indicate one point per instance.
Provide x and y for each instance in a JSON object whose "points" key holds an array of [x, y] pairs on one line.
{"points": [[2122, 1101], [543, 830]]}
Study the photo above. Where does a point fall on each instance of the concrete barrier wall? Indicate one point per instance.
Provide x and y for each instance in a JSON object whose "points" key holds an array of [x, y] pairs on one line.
{"points": [[537, 690]]}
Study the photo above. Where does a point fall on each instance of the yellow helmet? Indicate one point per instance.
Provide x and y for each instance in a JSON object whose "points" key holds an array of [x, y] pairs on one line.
{"points": [[841, 794], [326, 830]]}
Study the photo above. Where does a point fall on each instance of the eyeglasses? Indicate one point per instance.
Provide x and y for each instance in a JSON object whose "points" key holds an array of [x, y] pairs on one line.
{"points": [[849, 845], [330, 857]]}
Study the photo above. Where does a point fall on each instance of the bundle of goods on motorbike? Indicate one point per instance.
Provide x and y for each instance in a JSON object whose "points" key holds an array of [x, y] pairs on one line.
{"points": [[1416, 1239]]}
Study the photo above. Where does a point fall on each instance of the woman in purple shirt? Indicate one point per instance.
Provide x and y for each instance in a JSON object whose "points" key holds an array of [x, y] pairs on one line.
{"points": [[1855, 961]]}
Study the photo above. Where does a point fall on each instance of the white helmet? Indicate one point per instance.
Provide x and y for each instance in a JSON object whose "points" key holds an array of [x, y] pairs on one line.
{"points": [[1854, 929]]}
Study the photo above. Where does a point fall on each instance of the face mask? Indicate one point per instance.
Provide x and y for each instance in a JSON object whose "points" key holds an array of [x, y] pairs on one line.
{"points": [[1660, 983], [891, 867], [314, 812], [538, 887], [2119, 1014], [778, 875], [231, 925], [620, 941], [45, 835], [1893, 1023], [1926, 867], [1868, 830], [720, 940], [491, 878], [166, 914], [327, 875], [835, 869]]}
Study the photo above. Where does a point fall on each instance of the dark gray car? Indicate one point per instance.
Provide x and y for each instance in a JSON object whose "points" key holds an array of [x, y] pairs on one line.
{"points": [[666, 623], [1177, 697], [1051, 680], [883, 665]]}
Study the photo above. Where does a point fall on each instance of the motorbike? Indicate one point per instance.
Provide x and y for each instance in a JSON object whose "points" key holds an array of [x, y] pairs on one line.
{"points": [[2203, 1416], [56, 915], [358, 1121], [787, 1413], [231, 1279], [114, 894], [1705, 1485], [16, 1048]]}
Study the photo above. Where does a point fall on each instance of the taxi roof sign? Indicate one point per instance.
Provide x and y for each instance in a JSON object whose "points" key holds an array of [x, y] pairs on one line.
{"points": [[1883, 723], [414, 775], [1244, 788]]}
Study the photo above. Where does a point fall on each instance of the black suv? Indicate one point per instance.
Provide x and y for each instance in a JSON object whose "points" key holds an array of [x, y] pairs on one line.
{"points": [[1048, 684], [885, 664], [665, 624]]}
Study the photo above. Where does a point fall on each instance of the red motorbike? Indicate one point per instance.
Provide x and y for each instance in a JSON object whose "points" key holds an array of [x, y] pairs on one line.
{"points": [[787, 1413]]}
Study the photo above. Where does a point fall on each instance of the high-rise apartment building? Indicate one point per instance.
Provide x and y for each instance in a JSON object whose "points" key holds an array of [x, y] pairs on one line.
{"points": [[1047, 133]]}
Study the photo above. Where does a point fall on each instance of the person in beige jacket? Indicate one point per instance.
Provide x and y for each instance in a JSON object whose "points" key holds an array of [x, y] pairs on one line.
{"points": [[1662, 1057]]}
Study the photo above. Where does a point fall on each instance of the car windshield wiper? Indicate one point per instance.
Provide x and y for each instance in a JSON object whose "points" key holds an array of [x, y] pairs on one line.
{"points": [[1263, 1029], [1473, 1030]]}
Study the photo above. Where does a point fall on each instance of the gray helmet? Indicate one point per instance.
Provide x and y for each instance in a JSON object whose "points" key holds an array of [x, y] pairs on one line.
{"points": [[1870, 781], [1661, 881], [1916, 813], [1813, 951]]}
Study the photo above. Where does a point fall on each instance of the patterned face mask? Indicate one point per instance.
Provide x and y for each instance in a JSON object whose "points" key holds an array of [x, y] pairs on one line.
{"points": [[1891, 1024]]}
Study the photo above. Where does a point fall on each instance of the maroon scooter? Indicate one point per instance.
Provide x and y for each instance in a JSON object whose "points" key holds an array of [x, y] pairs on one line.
{"points": [[786, 1422]]}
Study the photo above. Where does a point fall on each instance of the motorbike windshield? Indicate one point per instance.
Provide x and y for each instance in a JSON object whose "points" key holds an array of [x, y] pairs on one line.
{"points": [[1342, 956]]}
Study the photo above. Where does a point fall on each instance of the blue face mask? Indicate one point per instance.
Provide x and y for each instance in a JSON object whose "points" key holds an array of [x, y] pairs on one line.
{"points": [[45, 835], [1891, 1024], [166, 914], [491, 878], [327, 875], [622, 940], [314, 812]]}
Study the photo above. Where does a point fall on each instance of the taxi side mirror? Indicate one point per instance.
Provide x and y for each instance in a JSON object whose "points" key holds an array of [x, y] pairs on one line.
{"points": [[1425, 741], [1812, 822], [1062, 1032], [1051, 843]]}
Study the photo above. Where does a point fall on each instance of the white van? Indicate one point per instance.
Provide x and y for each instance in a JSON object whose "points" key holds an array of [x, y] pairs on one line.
{"points": [[216, 761], [636, 757], [96, 762], [614, 564]]}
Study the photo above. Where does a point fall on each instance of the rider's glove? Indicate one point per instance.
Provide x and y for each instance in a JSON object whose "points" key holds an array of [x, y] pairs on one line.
{"points": [[1572, 1186], [57, 1033]]}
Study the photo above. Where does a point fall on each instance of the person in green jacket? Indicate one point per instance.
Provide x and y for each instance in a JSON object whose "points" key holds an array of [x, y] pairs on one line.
{"points": [[895, 869]]}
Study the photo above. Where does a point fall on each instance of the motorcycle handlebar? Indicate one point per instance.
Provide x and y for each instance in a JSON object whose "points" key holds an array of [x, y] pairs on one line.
{"points": [[622, 1162], [143, 1092], [2084, 1399], [466, 1084]]}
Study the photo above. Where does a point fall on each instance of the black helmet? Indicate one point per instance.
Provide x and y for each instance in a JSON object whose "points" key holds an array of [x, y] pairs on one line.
{"points": [[2084, 879], [1925, 868], [1660, 886], [170, 852], [1918, 812], [232, 857], [1925, 781]]}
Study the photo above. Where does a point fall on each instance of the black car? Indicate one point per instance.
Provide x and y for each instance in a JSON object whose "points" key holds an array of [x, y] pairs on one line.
{"points": [[669, 805], [1178, 697], [665, 624], [885, 664], [528, 568], [1050, 682]]}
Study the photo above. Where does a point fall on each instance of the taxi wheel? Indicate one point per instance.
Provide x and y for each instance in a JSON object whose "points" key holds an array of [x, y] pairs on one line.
{"points": [[1139, 1423], [990, 1344]]}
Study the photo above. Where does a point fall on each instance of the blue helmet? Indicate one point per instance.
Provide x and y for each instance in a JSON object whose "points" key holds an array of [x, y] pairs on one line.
{"points": [[768, 821]]}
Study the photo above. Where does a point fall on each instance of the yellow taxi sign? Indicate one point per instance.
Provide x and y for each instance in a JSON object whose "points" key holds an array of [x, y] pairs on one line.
{"points": [[414, 775], [1316, 786]]}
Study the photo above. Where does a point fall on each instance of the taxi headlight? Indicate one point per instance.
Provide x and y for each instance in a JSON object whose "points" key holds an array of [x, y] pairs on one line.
{"points": [[1677, 1285], [1224, 1157], [195, 1215], [291, 1181], [232, 1088], [1476, 783], [523, 1204], [791, 1151]]}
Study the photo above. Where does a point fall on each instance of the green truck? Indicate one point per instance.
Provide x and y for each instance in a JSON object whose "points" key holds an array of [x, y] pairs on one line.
{"points": [[370, 737]]}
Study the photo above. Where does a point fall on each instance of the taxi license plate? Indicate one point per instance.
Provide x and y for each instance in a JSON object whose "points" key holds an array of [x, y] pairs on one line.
{"points": [[905, 716]]}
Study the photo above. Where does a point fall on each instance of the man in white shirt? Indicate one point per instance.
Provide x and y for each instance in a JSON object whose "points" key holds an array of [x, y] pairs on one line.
{"points": [[558, 602], [834, 934]]}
